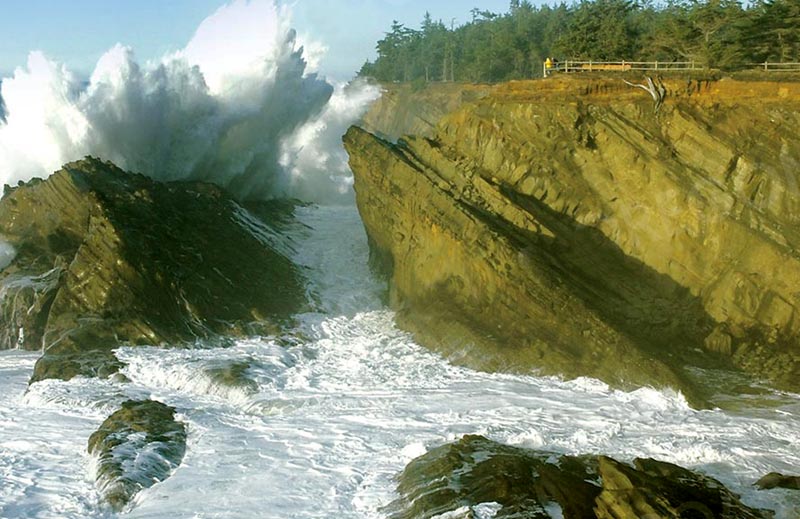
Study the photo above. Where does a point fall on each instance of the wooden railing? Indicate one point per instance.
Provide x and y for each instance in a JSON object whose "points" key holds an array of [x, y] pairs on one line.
{"points": [[778, 67], [625, 66], [620, 66]]}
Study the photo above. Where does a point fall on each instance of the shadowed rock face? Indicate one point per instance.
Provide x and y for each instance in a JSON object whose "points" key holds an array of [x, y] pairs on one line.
{"points": [[530, 484], [104, 258], [561, 226], [136, 447]]}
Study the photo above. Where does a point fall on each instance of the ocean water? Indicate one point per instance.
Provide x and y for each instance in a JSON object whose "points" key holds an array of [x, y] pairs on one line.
{"points": [[340, 411]]}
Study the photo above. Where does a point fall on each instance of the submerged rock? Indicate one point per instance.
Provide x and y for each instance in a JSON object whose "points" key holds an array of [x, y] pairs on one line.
{"points": [[776, 480], [559, 226], [136, 447], [105, 258], [475, 471], [232, 375]]}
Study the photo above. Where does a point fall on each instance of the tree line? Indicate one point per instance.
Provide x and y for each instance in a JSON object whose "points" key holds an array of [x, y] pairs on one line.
{"points": [[720, 34]]}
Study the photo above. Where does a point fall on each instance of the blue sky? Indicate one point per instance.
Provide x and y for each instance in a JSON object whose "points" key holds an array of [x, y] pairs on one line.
{"points": [[77, 32]]}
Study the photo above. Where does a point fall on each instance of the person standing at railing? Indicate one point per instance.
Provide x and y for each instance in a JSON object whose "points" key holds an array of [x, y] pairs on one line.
{"points": [[548, 66]]}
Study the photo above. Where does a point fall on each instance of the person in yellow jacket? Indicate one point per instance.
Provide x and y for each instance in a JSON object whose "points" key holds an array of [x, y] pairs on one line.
{"points": [[548, 66]]}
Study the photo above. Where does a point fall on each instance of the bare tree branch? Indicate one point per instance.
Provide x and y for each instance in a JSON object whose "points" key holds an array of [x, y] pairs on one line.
{"points": [[657, 91]]}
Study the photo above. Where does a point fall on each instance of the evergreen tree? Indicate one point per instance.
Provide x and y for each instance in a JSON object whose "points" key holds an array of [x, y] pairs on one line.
{"points": [[497, 47]]}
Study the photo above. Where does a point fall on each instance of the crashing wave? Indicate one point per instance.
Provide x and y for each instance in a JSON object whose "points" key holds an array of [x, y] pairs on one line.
{"points": [[238, 106]]}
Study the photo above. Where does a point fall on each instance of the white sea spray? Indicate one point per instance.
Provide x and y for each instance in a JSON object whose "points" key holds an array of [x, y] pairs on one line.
{"points": [[7, 253], [239, 106]]}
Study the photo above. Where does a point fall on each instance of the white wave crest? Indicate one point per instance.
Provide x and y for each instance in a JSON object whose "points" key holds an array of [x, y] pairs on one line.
{"points": [[237, 106]]}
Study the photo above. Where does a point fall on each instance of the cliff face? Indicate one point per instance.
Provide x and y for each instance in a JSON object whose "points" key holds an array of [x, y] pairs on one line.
{"points": [[404, 110], [106, 258], [561, 225]]}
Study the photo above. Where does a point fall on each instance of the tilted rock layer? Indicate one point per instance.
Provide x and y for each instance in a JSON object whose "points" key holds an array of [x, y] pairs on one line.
{"points": [[106, 258], [562, 225]]}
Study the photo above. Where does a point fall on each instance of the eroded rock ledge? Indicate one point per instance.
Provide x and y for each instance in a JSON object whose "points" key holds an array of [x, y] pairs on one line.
{"points": [[105, 258], [458, 478], [562, 226]]}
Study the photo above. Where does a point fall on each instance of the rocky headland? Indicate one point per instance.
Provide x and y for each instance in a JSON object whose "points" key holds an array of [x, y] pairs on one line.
{"points": [[567, 227]]}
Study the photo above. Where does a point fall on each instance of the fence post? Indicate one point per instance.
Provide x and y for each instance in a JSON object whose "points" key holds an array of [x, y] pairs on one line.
{"points": [[590, 65], [766, 67], [656, 65]]}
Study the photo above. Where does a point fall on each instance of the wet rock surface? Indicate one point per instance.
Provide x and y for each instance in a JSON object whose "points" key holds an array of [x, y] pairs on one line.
{"points": [[563, 227], [105, 258], [136, 447], [475, 472], [776, 480]]}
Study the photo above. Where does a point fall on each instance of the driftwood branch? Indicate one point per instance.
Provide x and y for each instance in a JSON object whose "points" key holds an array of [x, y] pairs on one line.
{"points": [[657, 90]]}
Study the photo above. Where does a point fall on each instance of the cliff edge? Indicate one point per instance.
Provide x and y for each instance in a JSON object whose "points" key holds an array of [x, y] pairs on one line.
{"points": [[565, 226]]}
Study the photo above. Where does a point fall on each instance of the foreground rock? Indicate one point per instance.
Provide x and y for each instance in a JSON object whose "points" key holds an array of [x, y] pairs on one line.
{"points": [[475, 472], [136, 447], [105, 258], [561, 226]]}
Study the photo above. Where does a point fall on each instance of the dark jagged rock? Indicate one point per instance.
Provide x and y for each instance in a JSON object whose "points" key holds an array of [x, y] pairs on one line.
{"points": [[560, 227], [776, 480], [105, 257], [528, 484], [136, 447]]}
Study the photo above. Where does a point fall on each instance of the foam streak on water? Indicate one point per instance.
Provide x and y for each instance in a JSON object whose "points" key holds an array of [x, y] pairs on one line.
{"points": [[334, 418]]}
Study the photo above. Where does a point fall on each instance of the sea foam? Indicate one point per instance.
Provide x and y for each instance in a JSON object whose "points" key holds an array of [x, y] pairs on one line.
{"points": [[7, 254], [238, 106]]}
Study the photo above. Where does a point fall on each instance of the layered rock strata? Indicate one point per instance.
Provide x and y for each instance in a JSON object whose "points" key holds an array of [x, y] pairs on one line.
{"points": [[563, 226]]}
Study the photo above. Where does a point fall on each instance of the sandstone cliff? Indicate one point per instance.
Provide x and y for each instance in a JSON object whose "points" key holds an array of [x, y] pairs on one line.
{"points": [[105, 257], [404, 109], [563, 226]]}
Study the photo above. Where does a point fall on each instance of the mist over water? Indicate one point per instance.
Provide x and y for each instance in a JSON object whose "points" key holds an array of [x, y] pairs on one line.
{"points": [[239, 106]]}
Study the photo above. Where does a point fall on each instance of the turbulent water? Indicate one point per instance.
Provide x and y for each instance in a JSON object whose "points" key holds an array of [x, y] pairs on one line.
{"points": [[341, 410], [341, 404]]}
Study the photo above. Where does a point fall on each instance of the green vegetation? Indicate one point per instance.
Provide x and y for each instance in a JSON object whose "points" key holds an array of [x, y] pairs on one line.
{"points": [[723, 34]]}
